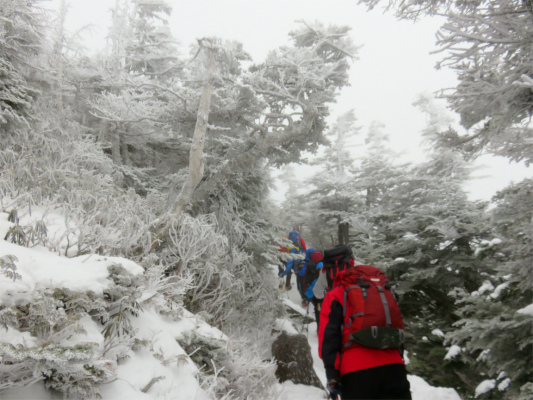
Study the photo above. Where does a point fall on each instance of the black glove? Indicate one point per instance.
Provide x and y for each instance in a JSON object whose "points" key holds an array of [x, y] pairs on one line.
{"points": [[334, 388]]}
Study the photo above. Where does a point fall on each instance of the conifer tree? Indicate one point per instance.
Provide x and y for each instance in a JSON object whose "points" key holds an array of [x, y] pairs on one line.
{"points": [[495, 326], [20, 41], [488, 44], [376, 185], [331, 193], [432, 248], [416, 223]]}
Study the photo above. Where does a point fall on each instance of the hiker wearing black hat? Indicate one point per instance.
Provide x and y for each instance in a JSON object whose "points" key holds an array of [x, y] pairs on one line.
{"points": [[361, 334]]}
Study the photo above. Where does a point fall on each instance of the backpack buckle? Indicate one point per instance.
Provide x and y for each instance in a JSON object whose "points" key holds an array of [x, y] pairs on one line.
{"points": [[374, 332]]}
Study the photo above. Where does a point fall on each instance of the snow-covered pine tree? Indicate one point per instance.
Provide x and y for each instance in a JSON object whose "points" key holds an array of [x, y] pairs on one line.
{"points": [[377, 185], [151, 49], [417, 224], [20, 39], [330, 192], [295, 209], [495, 326], [488, 43], [138, 102], [432, 246]]}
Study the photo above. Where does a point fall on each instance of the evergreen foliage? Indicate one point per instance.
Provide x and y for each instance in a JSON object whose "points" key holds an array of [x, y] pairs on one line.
{"points": [[488, 44], [112, 159], [20, 41], [104, 141], [492, 329], [330, 190], [8, 267], [462, 272], [425, 232]]}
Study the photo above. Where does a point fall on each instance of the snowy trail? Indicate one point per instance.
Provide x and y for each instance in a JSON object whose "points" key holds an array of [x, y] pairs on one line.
{"points": [[420, 389]]}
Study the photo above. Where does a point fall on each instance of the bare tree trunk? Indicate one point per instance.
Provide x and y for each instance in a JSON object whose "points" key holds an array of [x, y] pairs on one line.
{"points": [[196, 155], [370, 196], [58, 54], [124, 151], [102, 131], [115, 146], [343, 232]]}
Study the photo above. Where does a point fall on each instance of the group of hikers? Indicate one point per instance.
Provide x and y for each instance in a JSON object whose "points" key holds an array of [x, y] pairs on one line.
{"points": [[359, 324]]}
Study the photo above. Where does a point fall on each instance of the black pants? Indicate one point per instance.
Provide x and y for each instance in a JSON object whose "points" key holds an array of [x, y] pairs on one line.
{"points": [[384, 382], [288, 279], [300, 285], [318, 305]]}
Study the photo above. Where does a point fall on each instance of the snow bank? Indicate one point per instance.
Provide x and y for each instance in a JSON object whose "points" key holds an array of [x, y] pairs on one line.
{"points": [[175, 381], [162, 360], [41, 269], [159, 368], [291, 391], [421, 390]]}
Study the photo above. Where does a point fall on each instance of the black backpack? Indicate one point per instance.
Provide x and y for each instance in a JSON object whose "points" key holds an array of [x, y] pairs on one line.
{"points": [[335, 260], [311, 273]]}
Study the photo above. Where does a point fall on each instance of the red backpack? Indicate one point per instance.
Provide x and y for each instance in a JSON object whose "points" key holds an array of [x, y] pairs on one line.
{"points": [[371, 314]]}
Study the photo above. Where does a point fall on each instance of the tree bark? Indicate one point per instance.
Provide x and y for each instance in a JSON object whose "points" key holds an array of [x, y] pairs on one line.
{"points": [[115, 145], [343, 232], [196, 155], [58, 54]]}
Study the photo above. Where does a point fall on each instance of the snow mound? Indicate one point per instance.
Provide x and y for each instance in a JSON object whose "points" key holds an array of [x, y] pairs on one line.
{"points": [[39, 269], [421, 390]]}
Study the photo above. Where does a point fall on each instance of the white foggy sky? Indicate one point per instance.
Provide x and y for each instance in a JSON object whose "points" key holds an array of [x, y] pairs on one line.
{"points": [[394, 65]]}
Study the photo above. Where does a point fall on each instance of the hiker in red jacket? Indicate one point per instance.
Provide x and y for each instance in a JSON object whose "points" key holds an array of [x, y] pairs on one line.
{"points": [[354, 370]]}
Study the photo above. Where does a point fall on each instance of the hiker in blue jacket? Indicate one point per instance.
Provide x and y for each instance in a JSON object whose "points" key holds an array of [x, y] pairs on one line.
{"points": [[312, 276], [306, 276], [292, 263]]}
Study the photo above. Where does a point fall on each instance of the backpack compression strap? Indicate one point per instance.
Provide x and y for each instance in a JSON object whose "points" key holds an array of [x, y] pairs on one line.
{"points": [[345, 301], [388, 320], [394, 335], [351, 317]]}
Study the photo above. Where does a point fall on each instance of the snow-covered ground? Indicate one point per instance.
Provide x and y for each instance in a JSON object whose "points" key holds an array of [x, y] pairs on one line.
{"points": [[163, 360]]}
